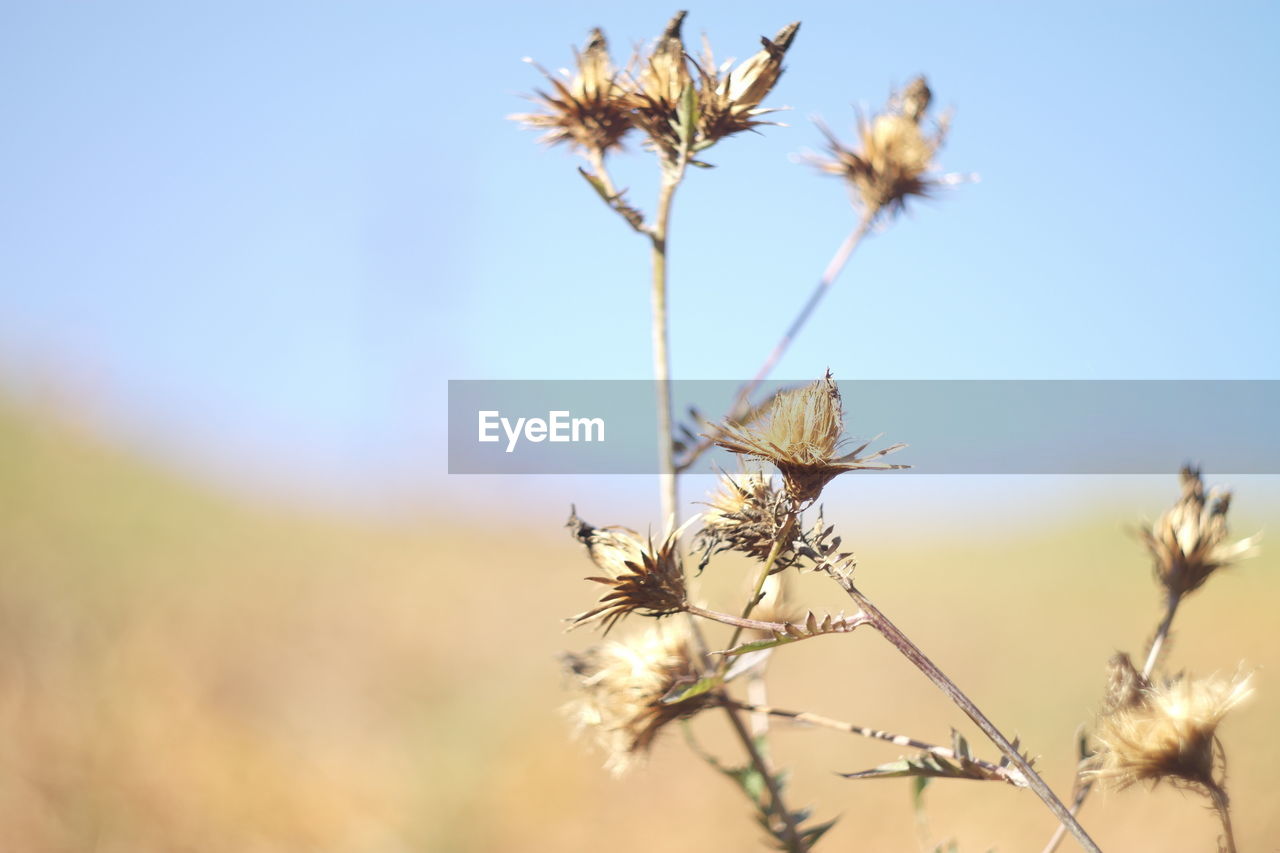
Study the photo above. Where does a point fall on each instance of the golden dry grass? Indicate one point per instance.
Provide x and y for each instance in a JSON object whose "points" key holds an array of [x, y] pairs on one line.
{"points": [[180, 672]]}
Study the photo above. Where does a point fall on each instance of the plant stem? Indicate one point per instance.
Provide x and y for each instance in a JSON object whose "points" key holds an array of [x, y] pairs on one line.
{"points": [[1162, 634], [779, 545], [806, 718], [834, 267], [912, 652], [1153, 656], [791, 835], [671, 177]]}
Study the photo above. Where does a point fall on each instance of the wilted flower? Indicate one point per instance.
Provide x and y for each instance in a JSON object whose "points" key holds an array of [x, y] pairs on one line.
{"points": [[729, 101], [591, 111], [801, 438], [1167, 732], [641, 577], [1189, 541], [896, 154], [726, 102], [623, 685], [746, 515]]}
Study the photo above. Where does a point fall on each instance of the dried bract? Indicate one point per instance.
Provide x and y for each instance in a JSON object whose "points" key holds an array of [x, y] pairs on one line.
{"points": [[622, 687], [729, 100], [896, 153], [1168, 733], [658, 89], [746, 515], [640, 577], [590, 112], [1188, 543], [801, 437]]}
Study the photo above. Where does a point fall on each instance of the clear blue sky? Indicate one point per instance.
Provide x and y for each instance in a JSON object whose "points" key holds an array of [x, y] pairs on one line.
{"points": [[262, 236]]}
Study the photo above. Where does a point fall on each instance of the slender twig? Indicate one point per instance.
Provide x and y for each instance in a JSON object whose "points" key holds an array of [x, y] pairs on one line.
{"points": [[807, 718], [834, 267], [908, 649], [1162, 634], [1085, 787], [791, 835]]}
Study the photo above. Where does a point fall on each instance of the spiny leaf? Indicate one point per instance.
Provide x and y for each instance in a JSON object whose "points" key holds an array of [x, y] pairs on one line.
{"points": [[687, 116], [930, 764], [790, 632]]}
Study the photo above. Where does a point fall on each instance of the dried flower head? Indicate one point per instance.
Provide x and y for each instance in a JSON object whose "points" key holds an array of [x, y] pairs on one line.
{"points": [[896, 154], [658, 89], [641, 577], [729, 100], [746, 515], [726, 101], [1189, 543], [591, 111], [801, 437], [623, 685], [1125, 684], [1168, 733]]}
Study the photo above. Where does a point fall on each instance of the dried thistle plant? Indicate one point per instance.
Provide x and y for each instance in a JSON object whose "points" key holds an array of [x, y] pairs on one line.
{"points": [[1188, 543], [622, 685], [896, 153], [1169, 733], [591, 111], [640, 578], [801, 437]]}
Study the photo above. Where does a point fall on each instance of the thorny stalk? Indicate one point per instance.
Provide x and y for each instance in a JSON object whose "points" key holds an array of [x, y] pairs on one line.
{"points": [[912, 652], [810, 719]]}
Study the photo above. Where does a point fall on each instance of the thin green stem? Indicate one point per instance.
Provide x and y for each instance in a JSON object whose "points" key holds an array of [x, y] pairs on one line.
{"points": [[908, 649], [790, 834], [779, 545]]}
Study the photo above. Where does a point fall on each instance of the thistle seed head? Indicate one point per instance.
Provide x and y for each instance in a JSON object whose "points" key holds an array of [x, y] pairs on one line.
{"points": [[1188, 543], [622, 685], [591, 111], [746, 515], [729, 100], [639, 577], [801, 437], [1167, 733], [896, 153]]}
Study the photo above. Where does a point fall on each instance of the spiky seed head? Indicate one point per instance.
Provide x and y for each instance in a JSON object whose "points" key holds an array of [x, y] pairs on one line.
{"points": [[622, 685], [591, 111], [801, 437], [729, 101], [1188, 543], [896, 154], [1168, 733], [640, 577], [747, 515], [658, 88]]}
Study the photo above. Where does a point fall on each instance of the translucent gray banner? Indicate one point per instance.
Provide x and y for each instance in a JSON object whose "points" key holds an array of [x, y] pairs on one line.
{"points": [[951, 427]]}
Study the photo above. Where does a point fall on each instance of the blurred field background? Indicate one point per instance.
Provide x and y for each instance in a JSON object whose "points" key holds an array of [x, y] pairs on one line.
{"points": [[182, 670], [244, 245]]}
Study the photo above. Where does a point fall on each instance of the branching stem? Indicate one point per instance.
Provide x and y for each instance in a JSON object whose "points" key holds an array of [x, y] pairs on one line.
{"points": [[908, 649]]}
